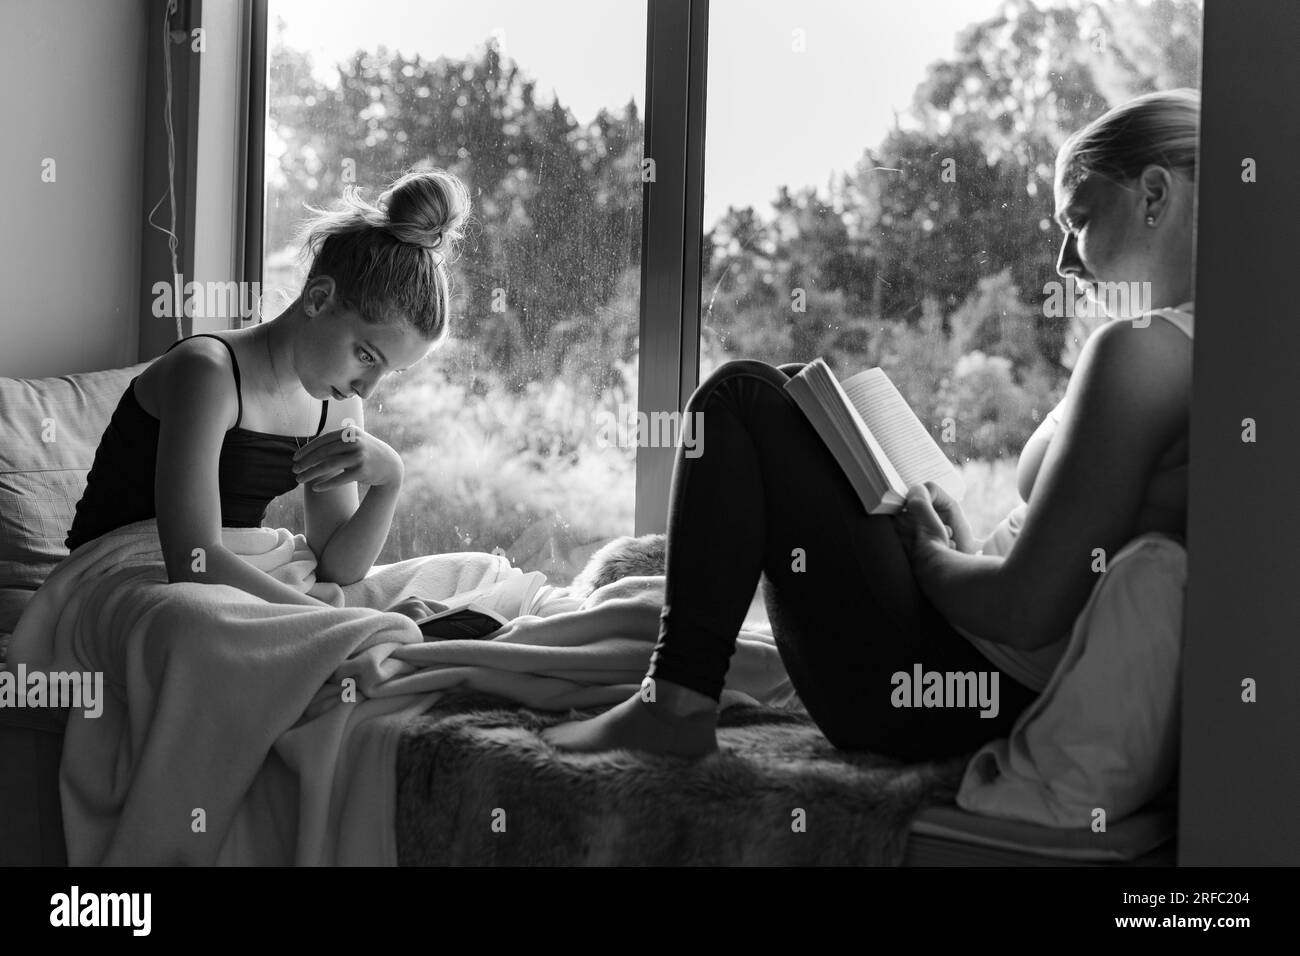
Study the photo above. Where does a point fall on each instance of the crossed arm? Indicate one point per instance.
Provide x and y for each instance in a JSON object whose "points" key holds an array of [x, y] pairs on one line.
{"points": [[345, 533]]}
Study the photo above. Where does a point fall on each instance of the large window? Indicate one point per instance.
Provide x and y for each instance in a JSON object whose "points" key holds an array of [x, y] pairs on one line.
{"points": [[502, 430], [878, 191]]}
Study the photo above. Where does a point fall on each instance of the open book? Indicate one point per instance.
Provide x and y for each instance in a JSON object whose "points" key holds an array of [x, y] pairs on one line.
{"points": [[874, 435], [479, 614]]}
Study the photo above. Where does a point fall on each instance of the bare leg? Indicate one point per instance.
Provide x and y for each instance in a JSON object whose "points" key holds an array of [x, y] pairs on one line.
{"points": [[677, 720]]}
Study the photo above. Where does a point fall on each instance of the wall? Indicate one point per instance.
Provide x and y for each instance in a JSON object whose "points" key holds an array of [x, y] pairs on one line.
{"points": [[72, 76], [1240, 778]]}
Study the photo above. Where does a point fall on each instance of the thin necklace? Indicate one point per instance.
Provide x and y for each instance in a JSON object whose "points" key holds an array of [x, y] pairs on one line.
{"points": [[278, 390]]}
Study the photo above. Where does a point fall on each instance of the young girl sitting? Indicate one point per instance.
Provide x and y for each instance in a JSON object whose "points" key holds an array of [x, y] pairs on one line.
{"points": [[220, 425]]}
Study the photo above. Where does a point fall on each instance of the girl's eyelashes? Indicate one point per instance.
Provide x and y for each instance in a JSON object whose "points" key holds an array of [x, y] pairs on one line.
{"points": [[367, 358]]}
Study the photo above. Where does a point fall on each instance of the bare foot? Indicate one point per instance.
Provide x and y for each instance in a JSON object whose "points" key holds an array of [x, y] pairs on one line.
{"points": [[638, 725]]}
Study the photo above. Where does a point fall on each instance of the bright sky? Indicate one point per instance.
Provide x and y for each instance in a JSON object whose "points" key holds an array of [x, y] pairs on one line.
{"points": [[775, 116]]}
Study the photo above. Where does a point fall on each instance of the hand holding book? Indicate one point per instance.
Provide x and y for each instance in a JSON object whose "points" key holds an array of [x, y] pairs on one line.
{"points": [[875, 436], [930, 515], [954, 520]]}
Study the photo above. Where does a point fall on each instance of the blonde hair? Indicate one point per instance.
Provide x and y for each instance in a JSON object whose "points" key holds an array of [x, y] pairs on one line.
{"points": [[390, 258], [1159, 129]]}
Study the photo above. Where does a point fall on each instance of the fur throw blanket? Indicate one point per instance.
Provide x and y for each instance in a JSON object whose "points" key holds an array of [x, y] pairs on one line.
{"points": [[624, 557], [477, 786]]}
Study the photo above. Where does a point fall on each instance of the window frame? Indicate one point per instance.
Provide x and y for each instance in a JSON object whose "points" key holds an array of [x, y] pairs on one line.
{"points": [[672, 234]]}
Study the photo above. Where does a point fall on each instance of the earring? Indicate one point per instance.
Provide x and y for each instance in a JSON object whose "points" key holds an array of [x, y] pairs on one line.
{"points": [[1151, 220]]}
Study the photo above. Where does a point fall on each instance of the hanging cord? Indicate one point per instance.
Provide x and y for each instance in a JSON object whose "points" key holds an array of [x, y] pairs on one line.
{"points": [[172, 240]]}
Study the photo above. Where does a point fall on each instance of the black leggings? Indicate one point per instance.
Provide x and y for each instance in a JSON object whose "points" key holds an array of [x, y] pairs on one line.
{"points": [[762, 486]]}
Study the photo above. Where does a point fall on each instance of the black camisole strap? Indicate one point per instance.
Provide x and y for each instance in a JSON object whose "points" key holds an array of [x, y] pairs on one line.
{"points": [[234, 363], [324, 412]]}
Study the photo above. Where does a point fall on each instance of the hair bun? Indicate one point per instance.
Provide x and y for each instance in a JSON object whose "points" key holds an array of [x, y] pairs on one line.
{"points": [[427, 209]]}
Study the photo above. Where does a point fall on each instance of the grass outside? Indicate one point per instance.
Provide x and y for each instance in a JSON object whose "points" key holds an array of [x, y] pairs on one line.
{"points": [[551, 516], [990, 493]]}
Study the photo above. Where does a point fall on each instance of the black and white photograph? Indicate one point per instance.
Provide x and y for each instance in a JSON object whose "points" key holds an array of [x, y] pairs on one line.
{"points": [[650, 433]]}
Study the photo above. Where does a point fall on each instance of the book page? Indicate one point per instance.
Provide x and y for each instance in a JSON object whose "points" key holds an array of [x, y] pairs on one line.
{"points": [[913, 452], [821, 398], [510, 597]]}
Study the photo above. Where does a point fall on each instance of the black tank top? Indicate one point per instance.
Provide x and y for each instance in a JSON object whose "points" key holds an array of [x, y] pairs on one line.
{"points": [[255, 467]]}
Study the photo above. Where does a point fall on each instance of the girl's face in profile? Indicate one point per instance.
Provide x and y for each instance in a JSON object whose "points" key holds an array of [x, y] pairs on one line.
{"points": [[341, 354], [1105, 233]]}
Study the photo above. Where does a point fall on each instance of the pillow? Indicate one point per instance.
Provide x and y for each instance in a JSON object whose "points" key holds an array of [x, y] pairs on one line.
{"points": [[12, 603], [49, 431], [36, 511], [1104, 732]]}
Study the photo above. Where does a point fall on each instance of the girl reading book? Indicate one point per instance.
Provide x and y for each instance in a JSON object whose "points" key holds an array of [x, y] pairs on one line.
{"points": [[219, 425], [856, 598]]}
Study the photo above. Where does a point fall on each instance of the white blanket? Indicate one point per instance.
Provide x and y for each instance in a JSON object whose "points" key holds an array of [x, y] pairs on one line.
{"points": [[243, 732], [1101, 741]]}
